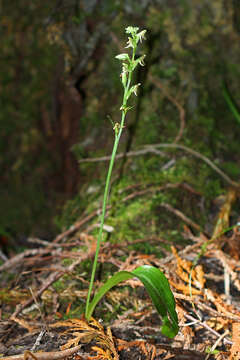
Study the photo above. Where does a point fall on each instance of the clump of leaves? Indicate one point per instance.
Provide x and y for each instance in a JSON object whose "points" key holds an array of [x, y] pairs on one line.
{"points": [[152, 278]]}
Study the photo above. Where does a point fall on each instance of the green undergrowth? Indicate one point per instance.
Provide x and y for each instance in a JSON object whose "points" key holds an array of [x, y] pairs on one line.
{"points": [[206, 131], [143, 216]]}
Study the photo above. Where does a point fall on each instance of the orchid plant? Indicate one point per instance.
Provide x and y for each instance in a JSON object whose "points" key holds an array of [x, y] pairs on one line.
{"points": [[152, 278]]}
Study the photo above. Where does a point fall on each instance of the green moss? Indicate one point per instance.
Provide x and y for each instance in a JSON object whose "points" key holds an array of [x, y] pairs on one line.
{"points": [[147, 248], [142, 216], [67, 262], [129, 220], [232, 168], [59, 285]]}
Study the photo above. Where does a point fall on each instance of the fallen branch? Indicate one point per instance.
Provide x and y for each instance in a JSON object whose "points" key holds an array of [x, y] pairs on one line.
{"points": [[152, 148], [77, 225], [53, 355], [206, 326], [128, 154], [19, 258], [199, 156], [180, 214]]}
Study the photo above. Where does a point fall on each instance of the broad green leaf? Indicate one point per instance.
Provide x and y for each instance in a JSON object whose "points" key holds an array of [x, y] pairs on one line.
{"points": [[158, 289], [162, 297]]}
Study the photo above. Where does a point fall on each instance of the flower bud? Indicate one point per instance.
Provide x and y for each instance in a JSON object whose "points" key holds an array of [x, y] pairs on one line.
{"points": [[122, 57]]}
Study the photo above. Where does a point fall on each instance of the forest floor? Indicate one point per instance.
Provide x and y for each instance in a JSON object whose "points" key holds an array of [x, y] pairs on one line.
{"points": [[43, 292]]}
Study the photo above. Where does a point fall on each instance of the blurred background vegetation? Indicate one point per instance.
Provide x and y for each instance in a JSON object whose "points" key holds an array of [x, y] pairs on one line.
{"points": [[60, 84]]}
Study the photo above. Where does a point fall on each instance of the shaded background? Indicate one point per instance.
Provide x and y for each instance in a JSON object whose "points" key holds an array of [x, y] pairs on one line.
{"points": [[60, 81]]}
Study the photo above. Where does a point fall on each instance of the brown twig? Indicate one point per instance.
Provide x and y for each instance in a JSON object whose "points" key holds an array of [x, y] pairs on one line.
{"points": [[51, 279], [151, 190], [53, 355], [180, 214], [152, 149], [199, 156], [191, 318], [129, 154], [217, 342], [20, 257], [77, 225], [203, 306]]}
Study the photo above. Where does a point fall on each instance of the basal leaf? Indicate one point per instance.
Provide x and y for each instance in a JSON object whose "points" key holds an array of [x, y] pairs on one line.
{"points": [[162, 297], [158, 289]]}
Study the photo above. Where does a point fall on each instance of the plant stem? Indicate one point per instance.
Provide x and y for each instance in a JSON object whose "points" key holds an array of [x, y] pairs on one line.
{"points": [[118, 131], [105, 198]]}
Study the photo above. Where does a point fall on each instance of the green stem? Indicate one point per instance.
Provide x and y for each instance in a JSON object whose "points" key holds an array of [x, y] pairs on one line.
{"points": [[118, 132], [105, 198]]}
